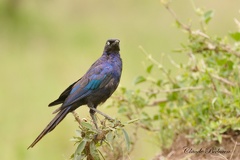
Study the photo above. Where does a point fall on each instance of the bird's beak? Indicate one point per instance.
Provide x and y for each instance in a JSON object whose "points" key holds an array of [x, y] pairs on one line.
{"points": [[116, 44], [117, 41]]}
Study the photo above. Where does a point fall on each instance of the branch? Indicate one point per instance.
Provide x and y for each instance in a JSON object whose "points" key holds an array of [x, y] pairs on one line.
{"points": [[228, 49], [76, 116], [158, 102], [224, 80], [182, 89], [159, 65], [185, 27]]}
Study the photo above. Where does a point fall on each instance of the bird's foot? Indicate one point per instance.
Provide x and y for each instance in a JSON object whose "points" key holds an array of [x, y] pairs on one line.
{"points": [[103, 114]]}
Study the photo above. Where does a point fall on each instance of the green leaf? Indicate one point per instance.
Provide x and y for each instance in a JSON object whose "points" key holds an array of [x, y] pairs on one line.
{"points": [[149, 68], [132, 121], [139, 79], [78, 133], [101, 155], [235, 36], [109, 145], [219, 138], [123, 89], [178, 24], [159, 82], [93, 151], [156, 117], [207, 16], [110, 137], [127, 139], [87, 125], [79, 150], [145, 116], [122, 109]]}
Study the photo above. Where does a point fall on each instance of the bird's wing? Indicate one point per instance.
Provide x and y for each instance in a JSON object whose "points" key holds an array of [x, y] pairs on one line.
{"points": [[63, 95], [96, 78]]}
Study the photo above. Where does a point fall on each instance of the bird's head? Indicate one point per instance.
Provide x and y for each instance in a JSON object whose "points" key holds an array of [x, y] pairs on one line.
{"points": [[112, 45]]}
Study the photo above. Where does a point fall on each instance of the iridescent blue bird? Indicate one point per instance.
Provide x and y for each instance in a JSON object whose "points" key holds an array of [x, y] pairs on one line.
{"points": [[95, 87]]}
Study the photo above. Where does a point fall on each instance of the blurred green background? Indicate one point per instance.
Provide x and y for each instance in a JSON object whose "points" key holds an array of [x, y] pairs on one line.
{"points": [[47, 45]]}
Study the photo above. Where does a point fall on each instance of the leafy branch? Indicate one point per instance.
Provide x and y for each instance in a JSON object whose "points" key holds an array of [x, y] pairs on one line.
{"points": [[89, 139], [201, 99]]}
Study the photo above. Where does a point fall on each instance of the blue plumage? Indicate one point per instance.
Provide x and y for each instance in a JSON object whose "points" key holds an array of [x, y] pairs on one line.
{"points": [[95, 87]]}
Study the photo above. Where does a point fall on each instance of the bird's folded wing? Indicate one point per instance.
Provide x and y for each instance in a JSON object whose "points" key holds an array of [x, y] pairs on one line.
{"points": [[90, 83], [63, 95]]}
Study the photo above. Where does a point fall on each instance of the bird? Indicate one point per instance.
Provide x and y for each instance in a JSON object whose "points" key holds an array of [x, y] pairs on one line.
{"points": [[92, 89]]}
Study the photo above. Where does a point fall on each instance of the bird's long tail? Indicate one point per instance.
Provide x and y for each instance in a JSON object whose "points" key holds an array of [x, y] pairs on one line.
{"points": [[56, 120]]}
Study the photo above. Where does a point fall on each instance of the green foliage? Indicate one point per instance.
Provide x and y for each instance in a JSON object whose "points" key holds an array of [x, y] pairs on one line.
{"points": [[235, 36], [140, 79], [89, 139], [207, 16], [201, 100]]}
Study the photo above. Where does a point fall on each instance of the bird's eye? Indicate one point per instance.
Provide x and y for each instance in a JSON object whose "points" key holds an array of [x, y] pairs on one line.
{"points": [[108, 43]]}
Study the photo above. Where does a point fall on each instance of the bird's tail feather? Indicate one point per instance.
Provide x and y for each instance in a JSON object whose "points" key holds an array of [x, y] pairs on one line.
{"points": [[56, 120]]}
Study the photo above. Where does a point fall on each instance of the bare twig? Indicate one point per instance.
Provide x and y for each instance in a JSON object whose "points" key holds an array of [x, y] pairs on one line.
{"points": [[159, 65], [220, 156], [235, 144], [170, 154], [224, 80], [181, 89], [227, 48], [226, 92], [76, 116], [185, 27], [238, 144], [213, 84], [157, 102]]}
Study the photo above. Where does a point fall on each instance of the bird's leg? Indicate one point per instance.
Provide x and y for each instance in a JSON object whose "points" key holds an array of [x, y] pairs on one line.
{"points": [[92, 114], [103, 114]]}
